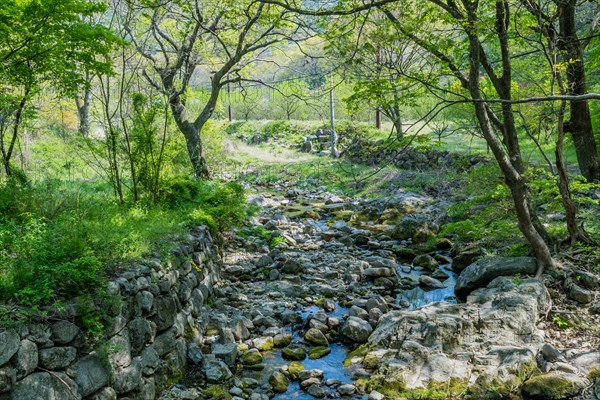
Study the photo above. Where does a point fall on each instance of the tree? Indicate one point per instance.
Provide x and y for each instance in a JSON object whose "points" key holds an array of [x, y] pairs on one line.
{"points": [[45, 41], [177, 37]]}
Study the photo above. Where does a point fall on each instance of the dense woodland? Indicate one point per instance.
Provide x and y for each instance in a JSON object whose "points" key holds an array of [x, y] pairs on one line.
{"points": [[114, 132]]}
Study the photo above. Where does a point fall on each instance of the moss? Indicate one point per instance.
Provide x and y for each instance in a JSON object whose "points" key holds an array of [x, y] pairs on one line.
{"points": [[295, 368], [217, 392], [550, 385], [594, 373], [360, 351], [318, 352]]}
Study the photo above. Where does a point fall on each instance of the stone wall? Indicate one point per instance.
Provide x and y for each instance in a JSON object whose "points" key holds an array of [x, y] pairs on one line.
{"points": [[157, 319]]}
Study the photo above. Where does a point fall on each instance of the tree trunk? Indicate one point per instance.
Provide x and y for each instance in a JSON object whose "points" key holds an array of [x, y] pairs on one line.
{"points": [[512, 177], [83, 109], [580, 122], [194, 147]]}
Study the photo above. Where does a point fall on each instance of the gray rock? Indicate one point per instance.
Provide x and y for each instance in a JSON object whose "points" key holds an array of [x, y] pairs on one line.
{"points": [[120, 350], [467, 257], [26, 359], [554, 385], [8, 377], [140, 333], [106, 393], [346, 390], [375, 395], [165, 343], [149, 360], [9, 345], [145, 301], [226, 352], [358, 312], [90, 374], [426, 261], [46, 386], [578, 293], [166, 310], [216, 371], [56, 358], [357, 330], [194, 353], [316, 391], [292, 266], [485, 270], [63, 332], [128, 378], [316, 337], [430, 282], [377, 272], [587, 280]]}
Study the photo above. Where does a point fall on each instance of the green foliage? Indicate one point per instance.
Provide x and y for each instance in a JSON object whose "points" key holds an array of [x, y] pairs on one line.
{"points": [[560, 322]]}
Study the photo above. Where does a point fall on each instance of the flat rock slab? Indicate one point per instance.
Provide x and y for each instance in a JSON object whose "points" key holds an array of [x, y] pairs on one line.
{"points": [[483, 271]]}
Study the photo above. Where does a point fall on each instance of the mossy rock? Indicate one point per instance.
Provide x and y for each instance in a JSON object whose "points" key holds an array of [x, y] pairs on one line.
{"points": [[251, 357], [554, 385], [279, 382], [294, 353], [316, 337], [357, 355], [216, 392], [318, 352], [282, 340], [295, 368]]}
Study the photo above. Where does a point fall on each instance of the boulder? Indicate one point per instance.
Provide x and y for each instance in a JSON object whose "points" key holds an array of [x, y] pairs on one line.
{"points": [[485, 270], [316, 337], [554, 385], [279, 382], [430, 282], [468, 256], [294, 352], [90, 374], [9, 345], [56, 358], [63, 332], [216, 371], [318, 352], [357, 330], [43, 385], [426, 261], [251, 357], [26, 359]]}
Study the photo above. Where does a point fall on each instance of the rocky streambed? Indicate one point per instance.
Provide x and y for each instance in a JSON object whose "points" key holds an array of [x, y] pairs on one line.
{"points": [[347, 304]]}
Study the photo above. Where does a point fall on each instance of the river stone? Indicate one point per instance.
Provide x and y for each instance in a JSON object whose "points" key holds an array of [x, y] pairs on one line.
{"points": [[26, 359], [346, 390], [357, 330], [251, 357], [430, 282], [282, 340], [279, 382], [63, 332], [554, 385], [295, 368], [318, 352], [292, 266], [9, 345], [46, 386], [90, 374], [294, 352], [316, 391], [358, 312], [426, 261], [316, 337], [226, 352], [379, 272], [216, 371], [57, 357], [485, 270]]}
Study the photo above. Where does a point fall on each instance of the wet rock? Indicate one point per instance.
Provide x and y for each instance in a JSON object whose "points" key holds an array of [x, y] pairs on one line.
{"points": [[430, 282], [357, 330], [485, 270], [318, 352], [282, 339], [443, 244], [358, 312], [251, 357], [316, 337], [279, 382], [316, 391], [294, 352], [295, 368], [426, 261], [554, 385], [346, 390]]}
